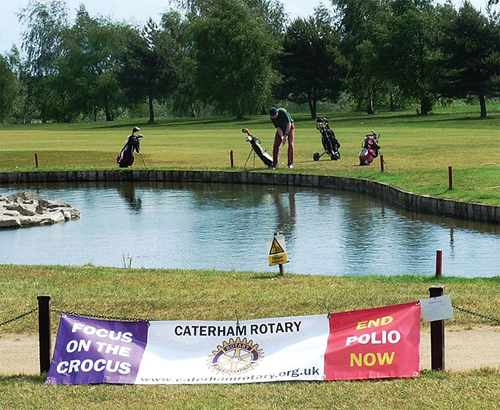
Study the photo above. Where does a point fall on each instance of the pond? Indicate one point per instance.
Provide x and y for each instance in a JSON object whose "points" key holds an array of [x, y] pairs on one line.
{"points": [[224, 227]]}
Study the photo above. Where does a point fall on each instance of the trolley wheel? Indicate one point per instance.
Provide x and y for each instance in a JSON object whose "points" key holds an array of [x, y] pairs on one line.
{"points": [[316, 156], [335, 156]]}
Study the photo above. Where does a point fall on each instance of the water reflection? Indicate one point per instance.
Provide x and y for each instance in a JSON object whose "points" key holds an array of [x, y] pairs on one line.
{"points": [[223, 226], [127, 190], [286, 213]]}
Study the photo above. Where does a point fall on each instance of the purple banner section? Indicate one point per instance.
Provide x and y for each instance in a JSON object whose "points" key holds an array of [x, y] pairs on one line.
{"points": [[90, 351]]}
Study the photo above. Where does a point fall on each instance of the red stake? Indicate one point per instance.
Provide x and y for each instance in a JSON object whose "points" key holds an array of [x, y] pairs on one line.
{"points": [[439, 263]]}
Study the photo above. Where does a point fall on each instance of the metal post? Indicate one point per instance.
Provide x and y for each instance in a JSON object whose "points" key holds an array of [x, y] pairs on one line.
{"points": [[44, 332], [282, 269], [439, 263], [437, 335]]}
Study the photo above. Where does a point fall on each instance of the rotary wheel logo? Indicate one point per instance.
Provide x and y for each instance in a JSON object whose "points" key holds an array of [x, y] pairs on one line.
{"points": [[235, 357]]}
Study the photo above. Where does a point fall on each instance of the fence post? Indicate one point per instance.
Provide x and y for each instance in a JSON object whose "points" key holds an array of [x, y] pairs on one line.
{"points": [[437, 335], [44, 332], [439, 263]]}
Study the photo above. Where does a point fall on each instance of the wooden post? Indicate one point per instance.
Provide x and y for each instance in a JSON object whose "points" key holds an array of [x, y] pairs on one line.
{"points": [[381, 163], [36, 159], [450, 177], [282, 268], [437, 335], [44, 332], [439, 263], [232, 158]]}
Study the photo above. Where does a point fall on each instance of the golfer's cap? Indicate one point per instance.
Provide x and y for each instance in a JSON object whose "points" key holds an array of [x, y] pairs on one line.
{"points": [[273, 112]]}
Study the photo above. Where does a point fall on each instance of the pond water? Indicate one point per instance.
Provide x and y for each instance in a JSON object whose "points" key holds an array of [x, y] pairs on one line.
{"points": [[224, 227]]}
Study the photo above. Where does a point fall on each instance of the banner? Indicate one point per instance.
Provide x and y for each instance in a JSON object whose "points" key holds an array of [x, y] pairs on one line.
{"points": [[90, 351], [264, 350], [373, 343]]}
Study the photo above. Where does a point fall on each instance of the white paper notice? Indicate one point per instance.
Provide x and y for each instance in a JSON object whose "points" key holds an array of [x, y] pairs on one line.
{"points": [[438, 308]]}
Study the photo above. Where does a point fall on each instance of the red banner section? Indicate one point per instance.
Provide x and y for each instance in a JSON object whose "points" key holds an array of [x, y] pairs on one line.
{"points": [[374, 343]]}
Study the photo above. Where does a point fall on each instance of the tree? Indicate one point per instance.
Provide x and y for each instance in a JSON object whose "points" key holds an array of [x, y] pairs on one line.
{"points": [[272, 11], [360, 23], [42, 41], [8, 90], [46, 21], [311, 63], [22, 108], [92, 54], [149, 67], [471, 46], [233, 53], [410, 49], [184, 97]]}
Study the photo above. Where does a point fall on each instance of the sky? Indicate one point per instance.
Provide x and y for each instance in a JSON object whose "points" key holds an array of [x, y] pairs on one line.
{"points": [[136, 12]]}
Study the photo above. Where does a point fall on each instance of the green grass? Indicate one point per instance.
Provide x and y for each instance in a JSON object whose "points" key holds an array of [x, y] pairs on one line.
{"points": [[434, 390], [211, 295], [417, 150]]}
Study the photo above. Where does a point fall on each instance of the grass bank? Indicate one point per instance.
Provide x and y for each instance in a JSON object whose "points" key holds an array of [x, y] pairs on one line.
{"points": [[213, 295], [417, 150]]}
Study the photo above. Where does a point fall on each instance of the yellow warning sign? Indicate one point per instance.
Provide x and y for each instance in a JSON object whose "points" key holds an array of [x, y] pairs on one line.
{"points": [[278, 259], [276, 248]]}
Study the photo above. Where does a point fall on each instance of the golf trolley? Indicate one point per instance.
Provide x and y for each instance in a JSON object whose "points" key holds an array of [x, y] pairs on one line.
{"points": [[258, 149], [330, 143]]}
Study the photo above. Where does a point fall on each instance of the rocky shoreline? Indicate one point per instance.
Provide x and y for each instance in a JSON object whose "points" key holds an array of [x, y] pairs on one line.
{"points": [[25, 209]]}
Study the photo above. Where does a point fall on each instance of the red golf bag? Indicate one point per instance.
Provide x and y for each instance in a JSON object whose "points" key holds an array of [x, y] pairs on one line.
{"points": [[370, 148]]}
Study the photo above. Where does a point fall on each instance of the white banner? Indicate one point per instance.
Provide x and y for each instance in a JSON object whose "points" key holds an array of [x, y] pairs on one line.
{"points": [[198, 352], [365, 344]]}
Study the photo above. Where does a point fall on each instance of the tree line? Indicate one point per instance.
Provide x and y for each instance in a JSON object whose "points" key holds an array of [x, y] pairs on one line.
{"points": [[240, 56]]}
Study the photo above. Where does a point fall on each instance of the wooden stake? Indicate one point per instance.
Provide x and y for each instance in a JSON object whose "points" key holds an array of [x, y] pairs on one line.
{"points": [[44, 332]]}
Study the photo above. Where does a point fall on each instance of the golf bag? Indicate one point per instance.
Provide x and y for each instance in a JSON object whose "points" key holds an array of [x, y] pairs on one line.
{"points": [[258, 149], [331, 145], [369, 149], [126, 156]]}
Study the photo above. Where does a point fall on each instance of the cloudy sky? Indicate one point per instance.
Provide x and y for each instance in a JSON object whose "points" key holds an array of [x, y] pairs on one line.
{"points": [[135, 11]]}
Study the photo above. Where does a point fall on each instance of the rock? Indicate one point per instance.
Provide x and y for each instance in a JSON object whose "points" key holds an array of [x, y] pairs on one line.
{"points": [[24, 209]]}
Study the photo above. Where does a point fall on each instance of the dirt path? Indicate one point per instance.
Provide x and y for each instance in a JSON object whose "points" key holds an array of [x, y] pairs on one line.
{"points": [[465, 350]]}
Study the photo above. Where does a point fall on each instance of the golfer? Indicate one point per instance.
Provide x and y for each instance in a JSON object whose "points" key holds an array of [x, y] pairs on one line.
{"points": [[285, 131]]}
